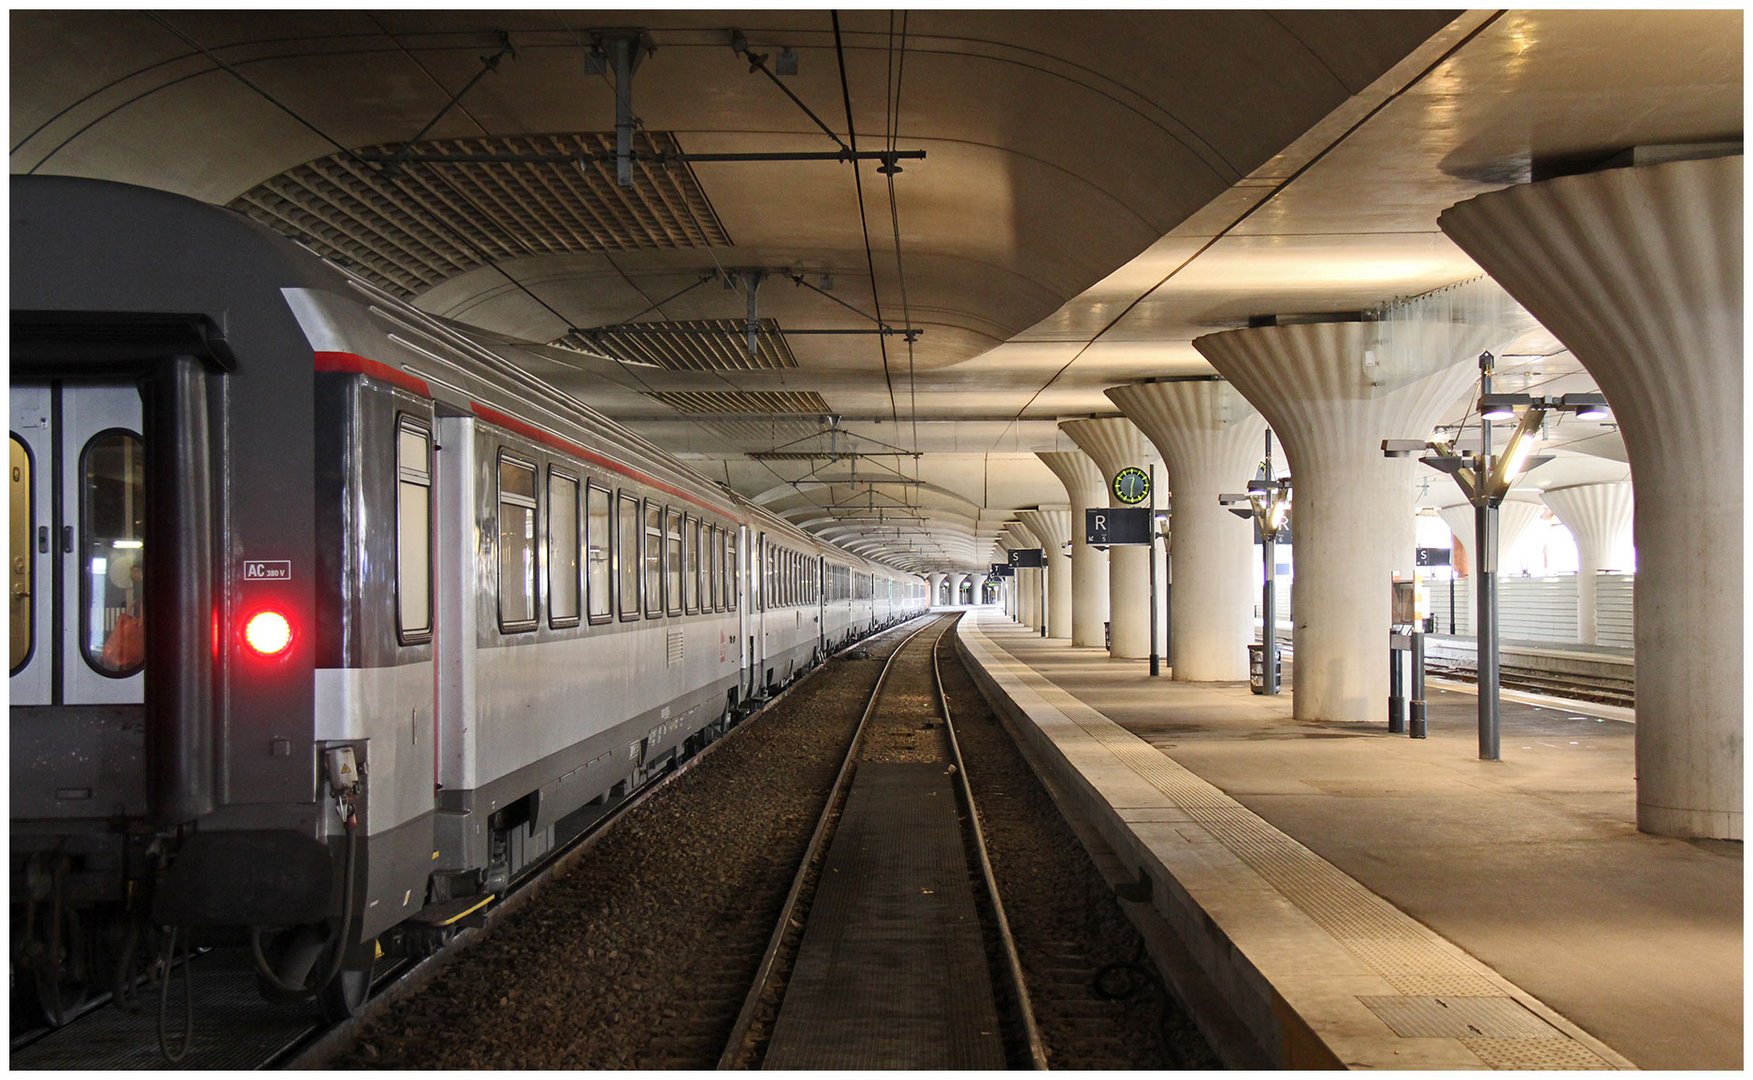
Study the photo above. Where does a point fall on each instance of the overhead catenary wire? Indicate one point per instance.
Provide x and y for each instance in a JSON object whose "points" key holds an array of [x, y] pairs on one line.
{"points": [[863, 218]]}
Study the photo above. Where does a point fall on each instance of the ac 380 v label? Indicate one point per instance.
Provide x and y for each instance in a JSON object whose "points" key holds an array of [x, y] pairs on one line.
{"points": [[267, 570]]}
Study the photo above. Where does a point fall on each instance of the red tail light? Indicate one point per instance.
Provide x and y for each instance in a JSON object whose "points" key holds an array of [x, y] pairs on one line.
{"points": [[268, 633]]}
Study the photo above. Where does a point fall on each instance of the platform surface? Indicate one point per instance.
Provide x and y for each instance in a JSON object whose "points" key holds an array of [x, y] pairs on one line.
{"points": [[892, 972], [1529, 870]]}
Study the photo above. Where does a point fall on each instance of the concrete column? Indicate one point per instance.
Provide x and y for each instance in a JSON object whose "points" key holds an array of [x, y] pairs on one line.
{"points": [[1331, 402], [1211, 441], [1028, 581], [1085, 488], [978, 590], [1599, 518], [936, 583], [1053, 526], [1113, 443], [1638, 271]]}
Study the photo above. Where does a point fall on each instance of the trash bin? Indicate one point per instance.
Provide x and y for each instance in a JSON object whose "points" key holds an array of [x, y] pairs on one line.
{"points": [[1257, 667]]}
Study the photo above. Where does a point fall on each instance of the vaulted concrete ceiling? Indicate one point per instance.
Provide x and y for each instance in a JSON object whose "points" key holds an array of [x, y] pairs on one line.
{"points": [[1098, 189]]}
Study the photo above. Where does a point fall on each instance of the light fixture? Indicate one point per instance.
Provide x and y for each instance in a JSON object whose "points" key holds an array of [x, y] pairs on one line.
{"points": [[1503, 406], [1585, 406]]}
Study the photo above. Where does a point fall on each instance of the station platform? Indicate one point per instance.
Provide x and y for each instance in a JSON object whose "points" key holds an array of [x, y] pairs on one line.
{"points": [[1360, 899]]}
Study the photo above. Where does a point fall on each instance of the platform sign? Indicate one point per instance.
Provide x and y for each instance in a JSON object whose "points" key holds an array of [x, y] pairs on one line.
{"points": [[1433, 556], [1001, 570], [1111, 525], [1028, 558]]}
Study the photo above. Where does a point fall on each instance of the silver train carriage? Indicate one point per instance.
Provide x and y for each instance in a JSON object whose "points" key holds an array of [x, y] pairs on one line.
{"points": [[323, 614]]}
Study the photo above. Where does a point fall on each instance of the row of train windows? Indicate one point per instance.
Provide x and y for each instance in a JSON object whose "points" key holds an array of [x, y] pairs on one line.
{"points": [[791, 578], [606, 555], [844, 583]]}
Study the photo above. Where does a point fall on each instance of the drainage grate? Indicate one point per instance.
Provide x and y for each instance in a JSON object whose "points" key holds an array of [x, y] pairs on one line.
{"points": [[691, 345], [778, 402], [399, 226]]}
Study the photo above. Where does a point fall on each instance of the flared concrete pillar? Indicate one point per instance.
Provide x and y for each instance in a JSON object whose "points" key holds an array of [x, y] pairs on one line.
{"points": [[936, 583], [1052, 525], [1113, 443], [1331, 399], [977, 591], [1211, 440], [1084, 488], [1599, 519], [1028, 580], [1638, 271]]}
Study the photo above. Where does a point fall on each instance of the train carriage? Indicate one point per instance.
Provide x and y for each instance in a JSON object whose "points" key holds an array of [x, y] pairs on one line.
{"points": [[323, 614]]}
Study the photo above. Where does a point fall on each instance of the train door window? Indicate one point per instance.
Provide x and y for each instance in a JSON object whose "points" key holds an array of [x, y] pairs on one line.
{"points": [[517, 545], [653, 559], [112, 515], [691, 563], [413, 531], [672, 561], [627, 556], [563, 581], [697, 573], [709, 565], [732, 571], [596, 554], [22, 556]]}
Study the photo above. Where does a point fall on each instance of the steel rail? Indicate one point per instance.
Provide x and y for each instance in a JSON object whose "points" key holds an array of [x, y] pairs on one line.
{"points": [[1013, 962], [323, 1044], [737, 1043]]}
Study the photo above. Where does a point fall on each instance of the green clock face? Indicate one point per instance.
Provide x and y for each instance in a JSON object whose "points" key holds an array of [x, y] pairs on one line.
{"points": [[1131, 485]]}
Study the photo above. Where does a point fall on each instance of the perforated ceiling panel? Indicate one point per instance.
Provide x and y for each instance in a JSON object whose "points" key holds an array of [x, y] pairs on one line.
{"points": [[784, 402], [409, 227], [690, 345]]}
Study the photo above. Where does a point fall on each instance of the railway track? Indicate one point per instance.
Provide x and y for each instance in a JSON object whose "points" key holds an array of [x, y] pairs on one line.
{"points": [[260, 1034], [907, 720], [1607, 691]]}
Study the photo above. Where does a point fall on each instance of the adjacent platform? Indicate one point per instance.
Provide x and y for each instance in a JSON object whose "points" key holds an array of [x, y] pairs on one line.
{"points": [[1367, 900], [891, 972]]}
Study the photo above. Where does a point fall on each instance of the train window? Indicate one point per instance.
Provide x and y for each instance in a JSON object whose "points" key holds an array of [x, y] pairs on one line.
{"points": [[21, 506], [627, 556], [112, 516], [691, 563], [517, 545], [563, 583], [672, 561], [413, 531], [715, 560], [596, 553], [653, 559]]}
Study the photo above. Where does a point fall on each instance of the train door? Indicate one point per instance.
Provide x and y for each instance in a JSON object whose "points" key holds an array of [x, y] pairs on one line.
{"points": [[78, 475], [78, 514], [755, 594], [745, 622]]}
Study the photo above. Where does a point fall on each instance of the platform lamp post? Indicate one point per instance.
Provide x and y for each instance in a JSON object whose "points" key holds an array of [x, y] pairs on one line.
{"points": [[1267, 502], [1485, 478]]}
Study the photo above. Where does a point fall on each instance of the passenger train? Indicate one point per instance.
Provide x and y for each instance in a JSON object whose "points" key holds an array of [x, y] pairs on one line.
{"points": [[323, 614]]}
